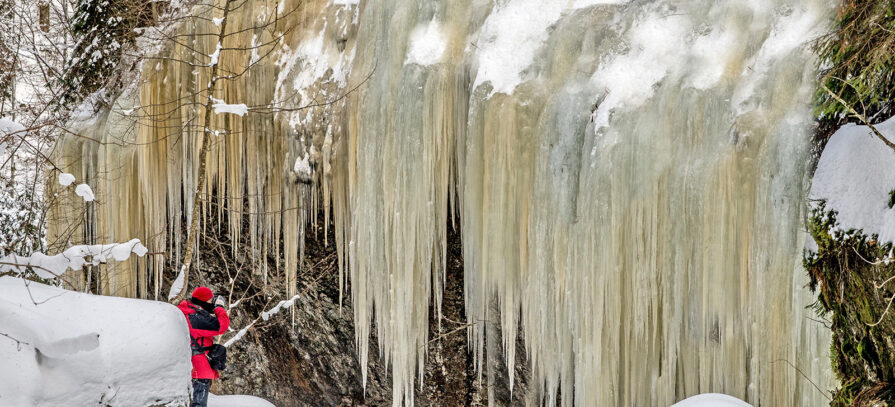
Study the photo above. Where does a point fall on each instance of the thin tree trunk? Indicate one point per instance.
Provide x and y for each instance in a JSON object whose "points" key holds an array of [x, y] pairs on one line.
{"points": [[193, 230]]}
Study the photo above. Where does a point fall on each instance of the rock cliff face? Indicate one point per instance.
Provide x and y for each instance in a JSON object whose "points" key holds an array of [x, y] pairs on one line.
{"points": [[628, 196], [305, 356]]}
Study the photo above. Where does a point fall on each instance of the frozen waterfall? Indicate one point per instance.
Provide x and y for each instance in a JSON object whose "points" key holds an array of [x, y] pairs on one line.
{"points": [[628, 178]]}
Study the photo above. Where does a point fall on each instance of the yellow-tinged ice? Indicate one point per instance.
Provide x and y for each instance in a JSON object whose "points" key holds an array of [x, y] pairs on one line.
{"points": [[628, 178]]}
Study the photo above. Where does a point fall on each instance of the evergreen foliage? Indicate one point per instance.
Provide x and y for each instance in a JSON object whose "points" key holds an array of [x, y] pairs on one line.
{"points": [[850, 273], [858, 57], [103, 30], [7, 56], [21, 231]]}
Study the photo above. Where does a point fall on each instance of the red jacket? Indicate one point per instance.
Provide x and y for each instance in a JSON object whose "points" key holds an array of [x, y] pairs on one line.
{"points": [[201, 369]]}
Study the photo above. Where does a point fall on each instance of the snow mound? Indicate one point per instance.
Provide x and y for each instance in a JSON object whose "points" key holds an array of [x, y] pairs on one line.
{"points": [[854, 175], [64, 348], [237, 401], [712, 400]]}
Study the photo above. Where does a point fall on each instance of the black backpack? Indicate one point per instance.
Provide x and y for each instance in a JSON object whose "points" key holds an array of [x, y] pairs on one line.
{"points": [[202, 319], [217, 357]]}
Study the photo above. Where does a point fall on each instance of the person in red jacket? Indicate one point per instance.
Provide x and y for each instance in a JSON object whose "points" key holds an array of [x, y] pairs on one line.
{"points": [[206, 318]]}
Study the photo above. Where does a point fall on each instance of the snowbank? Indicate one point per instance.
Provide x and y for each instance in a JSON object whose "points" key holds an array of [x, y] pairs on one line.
{"points": [[237, 401], [63, 348], [855, 175], [712, 400]]}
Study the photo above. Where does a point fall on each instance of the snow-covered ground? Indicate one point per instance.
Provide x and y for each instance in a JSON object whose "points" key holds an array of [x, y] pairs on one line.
{"points": [[855, 175], [237, 401], [712, 400], [64, 348]]}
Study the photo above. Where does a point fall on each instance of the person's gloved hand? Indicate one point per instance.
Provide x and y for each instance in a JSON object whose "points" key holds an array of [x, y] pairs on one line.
{"points": [[219, 301]]}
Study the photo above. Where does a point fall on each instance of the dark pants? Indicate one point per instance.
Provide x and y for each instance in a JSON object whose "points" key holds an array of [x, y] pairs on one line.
{"points": [[200, 392]]}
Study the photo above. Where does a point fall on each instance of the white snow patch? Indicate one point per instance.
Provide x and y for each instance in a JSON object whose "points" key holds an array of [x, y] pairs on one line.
{"points": [[509, 39], [238, 109], [84, 191], [7, 127], [302, 166], [84, 114], [511, 36], [237, 401], [854, 175], [66, 179], [712, 400], [427, 45], [791, 31], [346, 2], [72, 349], [710, 54], [177, 285], [629, 79], [217, 21], [315, 61]]}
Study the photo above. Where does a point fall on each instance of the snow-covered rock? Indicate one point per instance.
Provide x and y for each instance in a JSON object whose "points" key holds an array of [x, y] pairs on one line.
{"points": [[855, 175], [64, 348], [712, 400]]}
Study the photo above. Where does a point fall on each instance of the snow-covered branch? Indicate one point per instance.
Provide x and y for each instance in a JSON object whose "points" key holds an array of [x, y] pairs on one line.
{"points": [[73, 258]]}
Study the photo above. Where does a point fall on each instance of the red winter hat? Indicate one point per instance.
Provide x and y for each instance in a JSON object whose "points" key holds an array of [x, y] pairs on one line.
{"points": [[203, 294]]}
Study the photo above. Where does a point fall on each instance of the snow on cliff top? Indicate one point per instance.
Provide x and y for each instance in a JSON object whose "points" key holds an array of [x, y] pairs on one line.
{"points": [[64, 348], [712, 400], [511, 37], [855, 175]]}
